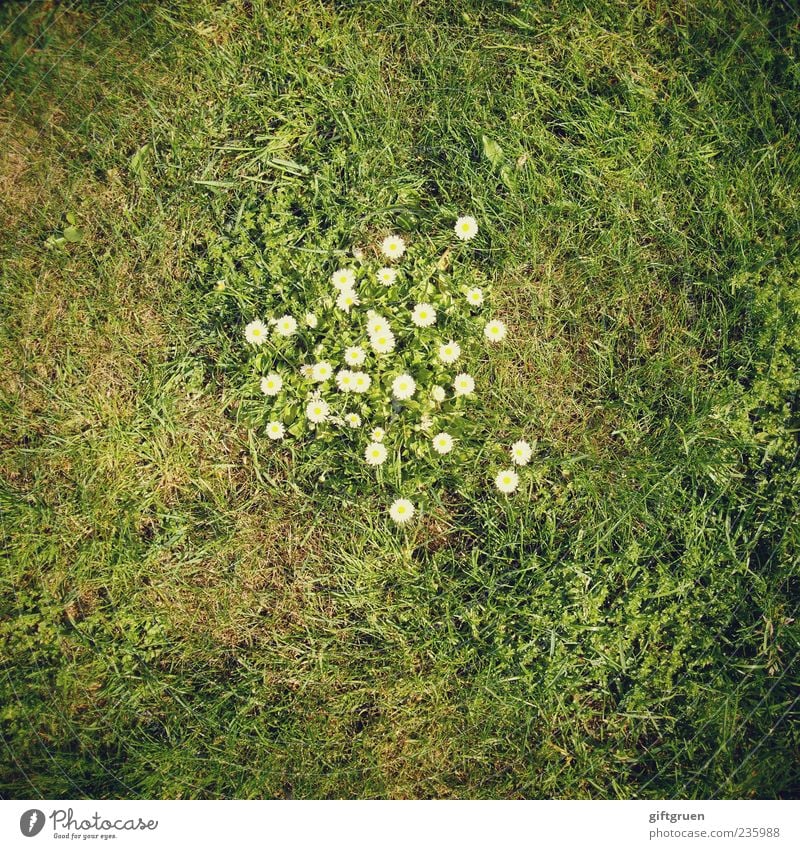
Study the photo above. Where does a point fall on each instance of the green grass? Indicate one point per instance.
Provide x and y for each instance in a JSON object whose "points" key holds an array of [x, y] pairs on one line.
{"points": [[180, 620]]}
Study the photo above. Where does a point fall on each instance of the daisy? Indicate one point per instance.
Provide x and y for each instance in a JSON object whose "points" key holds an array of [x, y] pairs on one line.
{"points": [[521, 453], [347, 298], [449, 352], [317, 411], [377, 434], [507, 480], [353, 419], [306, 371], [256, 332], [466, 228], [382, 343], [345, 380], [387, 276], [375, 454], [271, 384], [377, 324], [424, 315], [401, 511], [285, 325], [393, 247], [321, 371], [463, 384], [361, 382], [442, 443], [403, 387], [495, 330], [438, 394], [275, 430], [220, 285], [344, 278], [474, 297], [311, 320], [354, 356]]}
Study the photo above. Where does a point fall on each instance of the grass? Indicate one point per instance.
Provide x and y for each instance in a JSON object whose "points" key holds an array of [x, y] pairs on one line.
{"points": [[179, 620]]}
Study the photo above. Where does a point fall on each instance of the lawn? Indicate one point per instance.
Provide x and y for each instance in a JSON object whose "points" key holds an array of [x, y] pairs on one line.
{"points": [[185, 615]]}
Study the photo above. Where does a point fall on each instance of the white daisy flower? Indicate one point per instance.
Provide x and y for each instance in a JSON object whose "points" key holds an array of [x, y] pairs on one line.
{"points": [[495, 330], [361, 382], [463, 384], [320, 372], [403, 387], [438, 394], [375, 454], [347, 298], [317, 411], [343, 278], [377, 434], [377, 324], [474, 297], [306, 371], [393, 247], [424, 315], [275, 430], [354, 356], [382, 343], [449, 352], [521, 453], [386, 276], [256, 332], [311, 320], [507, 480], [345, 380], [466, 228], [353, 419], [271, 384], [285, 325], [443, 443], [401, 511]]}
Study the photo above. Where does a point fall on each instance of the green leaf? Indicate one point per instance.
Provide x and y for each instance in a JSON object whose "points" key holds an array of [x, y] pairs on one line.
{"points": [[507, 176], [73, 234], [288, 165], [138, 162], [492, 151]]}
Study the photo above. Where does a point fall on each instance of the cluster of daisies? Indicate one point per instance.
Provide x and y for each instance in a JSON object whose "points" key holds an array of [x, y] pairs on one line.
{"points": [[328, 382]]}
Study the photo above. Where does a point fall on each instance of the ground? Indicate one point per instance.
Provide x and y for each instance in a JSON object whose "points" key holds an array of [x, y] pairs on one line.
{"points": [[180, 620]]}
